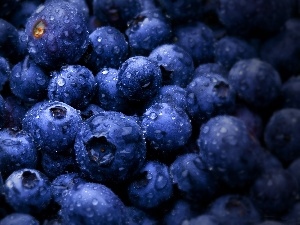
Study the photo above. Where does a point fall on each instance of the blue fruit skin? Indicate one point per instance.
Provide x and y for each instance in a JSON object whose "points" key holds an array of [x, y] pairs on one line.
{"points": [[64, 183], [53, 126], [206, 219], [292, 216], [17, 151], [208, 68], [176, 64], [232, 209], [63, 27], [256, 82], [73, 85], [152, 186], [198, 40], [18, 219], [289, 93], [90, 110], [194, 182], [266, 16], [110, 147], [139, 79], [27, 191], [226, 148], [209, 95], [4, 71], [277, 198], [109, 48], [166, 127], [92, 204], [107, 94], [294, 170], [230, 49], [281, 140], [148, 30], [2, 111], [28, 81], [135, 216]]}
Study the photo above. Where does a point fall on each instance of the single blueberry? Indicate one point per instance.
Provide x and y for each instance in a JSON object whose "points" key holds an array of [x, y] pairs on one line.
{"points": [[18, 219]]}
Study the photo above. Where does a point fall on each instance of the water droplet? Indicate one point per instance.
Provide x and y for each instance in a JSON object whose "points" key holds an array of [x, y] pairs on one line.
{"points": [[153, 115], [95, 201], [161, 182], [61, 82], [51, 17], [205, 129], [223, 130], [99, 39]]}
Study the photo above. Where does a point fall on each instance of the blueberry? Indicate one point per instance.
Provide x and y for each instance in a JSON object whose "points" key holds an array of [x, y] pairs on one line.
{"points": [[227, 149], [53, 125], [176, 64], [289, 93], [27, 191], [73, 85], [208, 68], [146, 31], [151, 187], [92, 203], [52, 30], [209, 95], [256, 82], [109, 48], [266, 16], [139, 79], [197, 39], [19, 218], [110, 147], [193, 180], [166, 128], [2, 111], [283, 140], [28, 81], [294, 169], [230, 49], [268, 161], [116, 13], [17, 151], [4, 72], [107, 94], [64, 183], [274, 192]]}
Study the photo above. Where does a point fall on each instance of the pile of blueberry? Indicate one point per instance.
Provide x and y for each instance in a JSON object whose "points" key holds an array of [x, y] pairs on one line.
{"points": [[149, 112]]}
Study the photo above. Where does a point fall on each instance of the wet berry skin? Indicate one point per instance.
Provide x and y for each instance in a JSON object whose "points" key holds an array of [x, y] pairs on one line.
{"points": [[110, 147], [52, 30], [151, 187], [4, 71], [73, 85], [91, 203], [27, 191], [19, 218], [166, 128], [139, 79], [53, 125], [17, 151], [28, 81]]}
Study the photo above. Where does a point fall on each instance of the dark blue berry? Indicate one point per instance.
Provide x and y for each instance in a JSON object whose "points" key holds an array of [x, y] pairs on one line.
{"points": [[110, 147], [109, 48], [27, 191], [73, 85], [151, 187], [206, 219], [136, 216], [197, 39], [52, 30], [18, 219], [28, 81], [176, 64], [193, 180], [4, 72], [53, 126], [17, 151], [148, 30], [228, 150], [139, 79], [209, 95], [281, 134], [255, 81], [166, 127], [92, 203], [289, 93]]}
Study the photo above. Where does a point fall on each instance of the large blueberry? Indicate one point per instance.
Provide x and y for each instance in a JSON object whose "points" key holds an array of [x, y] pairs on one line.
{"points": [[110, 147]]}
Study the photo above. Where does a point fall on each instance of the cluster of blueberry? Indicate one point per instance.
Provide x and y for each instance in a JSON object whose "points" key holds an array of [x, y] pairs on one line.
{"points": [[148, 112]]}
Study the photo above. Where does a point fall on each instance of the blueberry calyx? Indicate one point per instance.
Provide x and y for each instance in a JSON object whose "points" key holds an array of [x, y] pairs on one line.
{"points": [[29, 179], [142, 180], [39, 29], [221, 89], [58, 112], [101, 151]]}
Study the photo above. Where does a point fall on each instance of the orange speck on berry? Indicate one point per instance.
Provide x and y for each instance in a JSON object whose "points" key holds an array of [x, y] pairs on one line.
{"points": [[39, 29]]}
